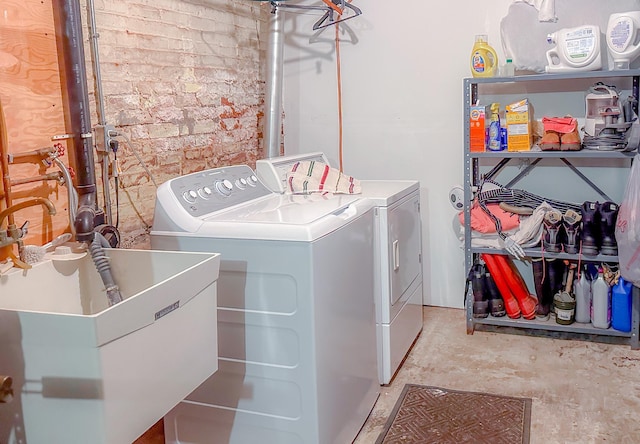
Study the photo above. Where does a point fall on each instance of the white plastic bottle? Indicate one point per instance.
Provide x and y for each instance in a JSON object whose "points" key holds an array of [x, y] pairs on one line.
{"points": [[507, 70], [601, 306], [582, 292]]}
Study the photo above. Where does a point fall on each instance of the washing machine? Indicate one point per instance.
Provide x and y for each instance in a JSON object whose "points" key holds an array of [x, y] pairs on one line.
{"points": [[397, 260], [296, 315]]}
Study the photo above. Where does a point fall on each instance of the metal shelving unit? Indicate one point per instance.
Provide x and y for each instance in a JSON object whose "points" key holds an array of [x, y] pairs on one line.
{"points": [[472, 176]]}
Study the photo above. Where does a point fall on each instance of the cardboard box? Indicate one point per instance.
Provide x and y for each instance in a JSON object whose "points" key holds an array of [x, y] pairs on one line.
{"points": [[477, 128], [518, 121]]}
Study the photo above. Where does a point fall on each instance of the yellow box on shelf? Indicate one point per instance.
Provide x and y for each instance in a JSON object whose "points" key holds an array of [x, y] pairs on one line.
{"points": [[518, 120]]}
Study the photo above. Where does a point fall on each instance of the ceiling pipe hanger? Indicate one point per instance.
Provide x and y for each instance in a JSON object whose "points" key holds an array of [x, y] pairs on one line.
{"points": [[329, 16], [333, 7]]}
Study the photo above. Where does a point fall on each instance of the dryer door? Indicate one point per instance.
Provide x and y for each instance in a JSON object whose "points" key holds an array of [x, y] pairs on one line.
{"points": [[405, 245]]}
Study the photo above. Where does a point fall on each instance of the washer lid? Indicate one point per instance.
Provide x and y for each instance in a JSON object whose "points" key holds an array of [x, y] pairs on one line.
{"points": [[387, 192], [291, 217], [291, 209]]}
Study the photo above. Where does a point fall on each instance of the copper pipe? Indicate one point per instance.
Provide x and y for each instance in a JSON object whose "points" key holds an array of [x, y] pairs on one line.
{"points": [[4, 162], [8, 212], [57, 175], [24, 156]]}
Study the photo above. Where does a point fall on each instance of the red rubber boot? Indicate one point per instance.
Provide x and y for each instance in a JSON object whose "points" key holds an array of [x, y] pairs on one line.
{"points": [[511, 305], [526, 301]]}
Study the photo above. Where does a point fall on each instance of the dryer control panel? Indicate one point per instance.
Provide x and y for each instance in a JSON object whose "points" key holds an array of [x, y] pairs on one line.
{"points": [[216, 189]]}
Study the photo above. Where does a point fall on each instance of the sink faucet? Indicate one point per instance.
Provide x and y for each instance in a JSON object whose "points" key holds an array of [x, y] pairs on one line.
{"points": [[13, 234]]}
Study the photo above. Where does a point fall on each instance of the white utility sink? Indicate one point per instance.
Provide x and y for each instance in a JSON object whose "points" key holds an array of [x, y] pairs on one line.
{"points": [[84, 372]]}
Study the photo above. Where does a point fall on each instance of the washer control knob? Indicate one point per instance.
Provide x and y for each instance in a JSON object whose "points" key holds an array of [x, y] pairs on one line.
{"points": [[241, 183], [205, 192], [252, 180], [190, 196], [224, 187]]}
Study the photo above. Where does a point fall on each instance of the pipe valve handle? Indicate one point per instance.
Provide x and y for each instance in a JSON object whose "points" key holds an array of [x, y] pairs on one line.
{"points": [[6, 391]]}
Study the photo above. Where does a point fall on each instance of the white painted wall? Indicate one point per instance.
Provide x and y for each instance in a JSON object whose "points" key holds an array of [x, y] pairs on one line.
{"points": [[402, 105]]}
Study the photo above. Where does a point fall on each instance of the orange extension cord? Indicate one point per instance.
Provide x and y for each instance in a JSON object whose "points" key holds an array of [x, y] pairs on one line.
{"points": [[337, 9], [339, 81]]}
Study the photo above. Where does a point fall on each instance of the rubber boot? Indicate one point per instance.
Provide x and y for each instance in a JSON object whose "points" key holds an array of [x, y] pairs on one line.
{"points": [[510, 303], [480, 302], [541, 282], [591, 231], [526, 301], [551, 239], [608, 218], [496, 303], [571, 223], [555, 270]]}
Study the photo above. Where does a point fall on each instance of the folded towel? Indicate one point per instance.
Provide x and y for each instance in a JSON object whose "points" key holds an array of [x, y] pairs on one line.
{"points": [[528, 234], [317, 177]]}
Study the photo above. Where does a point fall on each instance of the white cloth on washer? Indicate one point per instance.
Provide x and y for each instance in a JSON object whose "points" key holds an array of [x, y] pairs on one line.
{"points": [[316, 177]]}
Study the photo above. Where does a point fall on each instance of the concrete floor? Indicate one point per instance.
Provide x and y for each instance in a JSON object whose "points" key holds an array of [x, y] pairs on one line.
{"points": [[583, 392]]}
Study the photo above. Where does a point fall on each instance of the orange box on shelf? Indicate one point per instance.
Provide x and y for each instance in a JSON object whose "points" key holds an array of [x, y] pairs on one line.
{"points": [[477, 128]]}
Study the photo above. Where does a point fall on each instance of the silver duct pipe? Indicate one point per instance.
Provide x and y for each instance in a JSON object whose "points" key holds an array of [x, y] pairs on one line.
{"points": [[273, 93]]}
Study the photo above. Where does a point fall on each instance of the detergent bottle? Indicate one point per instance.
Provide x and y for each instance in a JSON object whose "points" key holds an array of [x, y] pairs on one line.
{"points": [[484, 60], [577, 49], [621, 305], [582, 292], [601, 302], [622, 38]]}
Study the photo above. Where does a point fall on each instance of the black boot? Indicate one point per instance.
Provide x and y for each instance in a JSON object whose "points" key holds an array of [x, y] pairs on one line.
{"points": [[480, 302], [555, 270], [539, 281], [608, 218], [551, 239], [544, 280], [496, 303], [590, 228], [571, 223]]}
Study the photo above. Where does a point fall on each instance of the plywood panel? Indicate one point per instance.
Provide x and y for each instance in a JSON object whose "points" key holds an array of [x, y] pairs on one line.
{"points": [[31, 95]]}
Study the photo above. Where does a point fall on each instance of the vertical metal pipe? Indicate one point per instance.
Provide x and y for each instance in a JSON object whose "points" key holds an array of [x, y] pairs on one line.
{"points": [[69, 38], [273, 93], [95, 62], [99, 97]]}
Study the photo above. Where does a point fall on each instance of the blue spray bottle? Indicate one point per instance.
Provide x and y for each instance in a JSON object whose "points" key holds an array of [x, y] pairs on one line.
{"points": [[494, 129]]}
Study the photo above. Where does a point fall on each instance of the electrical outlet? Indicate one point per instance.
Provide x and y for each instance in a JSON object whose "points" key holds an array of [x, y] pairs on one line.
{"points": [[102, 136]]}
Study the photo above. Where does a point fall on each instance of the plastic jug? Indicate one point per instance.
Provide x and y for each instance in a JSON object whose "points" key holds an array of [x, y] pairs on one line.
{"points": [[484, 60], [577, 49], [621, 305], [601, 302], [622, 38], [582, 292]]}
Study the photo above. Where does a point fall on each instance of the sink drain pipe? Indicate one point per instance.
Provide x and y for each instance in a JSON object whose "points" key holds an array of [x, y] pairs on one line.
{"points": [[71, 53], [88, 215], [104, 268]]}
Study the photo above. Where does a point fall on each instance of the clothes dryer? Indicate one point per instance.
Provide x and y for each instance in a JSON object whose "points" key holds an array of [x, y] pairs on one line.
{"points": [[296, 316], [397, 261]]}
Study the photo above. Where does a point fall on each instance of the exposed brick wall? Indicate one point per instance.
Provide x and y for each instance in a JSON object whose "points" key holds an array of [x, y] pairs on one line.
{"points": [[184, 80]]}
